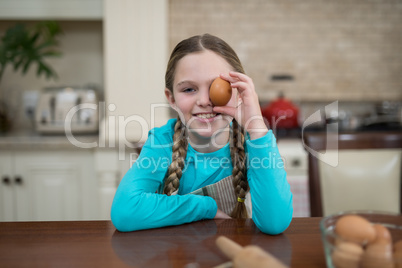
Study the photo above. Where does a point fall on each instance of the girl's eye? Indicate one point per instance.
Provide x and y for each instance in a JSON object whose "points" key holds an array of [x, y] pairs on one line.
{"points": [[188, 90]]}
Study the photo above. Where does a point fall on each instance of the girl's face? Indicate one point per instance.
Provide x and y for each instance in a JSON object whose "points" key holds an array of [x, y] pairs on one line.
{"points": [[193, 77]]}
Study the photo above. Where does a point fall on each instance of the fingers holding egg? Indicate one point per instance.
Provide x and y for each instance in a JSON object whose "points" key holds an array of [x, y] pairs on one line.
{"points": [[244, 106]]}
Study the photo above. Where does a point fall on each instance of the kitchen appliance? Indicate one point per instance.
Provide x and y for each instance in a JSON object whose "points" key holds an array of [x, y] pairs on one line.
{"points": [[387, 116], [281, 113], [295, 163], [67, 108]]}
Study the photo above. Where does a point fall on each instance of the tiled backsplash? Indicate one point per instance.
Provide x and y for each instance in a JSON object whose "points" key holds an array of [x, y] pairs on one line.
{"points": [[334, 50]]}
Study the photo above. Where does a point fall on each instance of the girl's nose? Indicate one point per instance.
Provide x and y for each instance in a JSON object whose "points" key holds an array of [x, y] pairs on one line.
{"points": [[203, 99]]}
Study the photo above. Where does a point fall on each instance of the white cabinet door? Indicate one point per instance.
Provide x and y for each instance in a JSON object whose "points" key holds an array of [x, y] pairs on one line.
{"points": [[7, 204], [49, 189], [46, 186]]}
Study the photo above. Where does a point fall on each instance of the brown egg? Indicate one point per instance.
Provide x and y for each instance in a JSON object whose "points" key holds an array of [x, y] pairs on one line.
{"points": [[398, 259], [398, 246], [220, 92], [377, 255], [398, 254], [382, 234], [355, 229], [347, 255]]}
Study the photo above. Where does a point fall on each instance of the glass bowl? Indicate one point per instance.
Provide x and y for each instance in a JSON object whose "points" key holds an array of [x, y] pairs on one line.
{"points": [[339, 254]]}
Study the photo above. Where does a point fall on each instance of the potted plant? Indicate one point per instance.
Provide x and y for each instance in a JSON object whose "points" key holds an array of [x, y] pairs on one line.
{"points": [[22, 47]]}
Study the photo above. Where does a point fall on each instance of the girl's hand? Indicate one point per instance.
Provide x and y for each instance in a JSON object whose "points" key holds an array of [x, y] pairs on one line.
{"points": [[221, 215], [248, 110]]}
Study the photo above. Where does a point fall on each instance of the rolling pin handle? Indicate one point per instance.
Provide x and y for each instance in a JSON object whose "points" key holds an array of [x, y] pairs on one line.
{"points": [[228, 247]]}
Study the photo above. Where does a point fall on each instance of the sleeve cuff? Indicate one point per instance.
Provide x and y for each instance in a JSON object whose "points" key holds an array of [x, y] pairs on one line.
{"points": [[212, 208], [268, 140]]}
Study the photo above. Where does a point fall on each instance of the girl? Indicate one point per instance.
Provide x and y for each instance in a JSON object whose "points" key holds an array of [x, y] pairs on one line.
{"points": [[210, 162]]}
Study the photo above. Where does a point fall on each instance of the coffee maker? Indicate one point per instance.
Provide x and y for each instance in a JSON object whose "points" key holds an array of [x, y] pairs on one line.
{"points": [[67, 108]]}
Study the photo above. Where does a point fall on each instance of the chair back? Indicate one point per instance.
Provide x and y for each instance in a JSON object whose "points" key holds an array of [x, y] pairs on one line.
{"points": [[367, 174]]}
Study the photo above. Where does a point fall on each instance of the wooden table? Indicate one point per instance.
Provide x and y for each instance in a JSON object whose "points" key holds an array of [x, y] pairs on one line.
{"points": [[98, 244]]}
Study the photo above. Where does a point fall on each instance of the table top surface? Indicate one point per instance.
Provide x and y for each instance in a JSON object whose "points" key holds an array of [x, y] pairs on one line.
{"points": [[98, 244]]}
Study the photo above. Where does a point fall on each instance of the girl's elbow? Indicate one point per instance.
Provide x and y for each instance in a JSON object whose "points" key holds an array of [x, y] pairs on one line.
{"points": [[119, 220], [123, 218], [275, 225], [273, 229]]}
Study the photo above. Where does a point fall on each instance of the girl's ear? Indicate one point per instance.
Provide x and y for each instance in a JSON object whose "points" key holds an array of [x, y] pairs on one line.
{"points": [[170, 98]]}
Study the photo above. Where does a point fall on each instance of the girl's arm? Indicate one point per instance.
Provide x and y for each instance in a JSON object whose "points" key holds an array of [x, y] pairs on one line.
{"points": [[137, 205], [270, 192]]}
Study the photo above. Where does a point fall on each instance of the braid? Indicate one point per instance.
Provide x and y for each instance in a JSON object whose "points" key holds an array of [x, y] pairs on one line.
{"points": [[239, 172], [179, 152]]}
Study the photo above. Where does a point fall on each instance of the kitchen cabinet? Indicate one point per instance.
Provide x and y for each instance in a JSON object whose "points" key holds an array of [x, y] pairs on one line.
{"points": [[111, 166], [47, 185], [50, 9]]}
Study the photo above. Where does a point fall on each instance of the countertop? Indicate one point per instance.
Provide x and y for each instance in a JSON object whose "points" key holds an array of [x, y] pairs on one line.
{"points": [[27, 140], [31, 140]]}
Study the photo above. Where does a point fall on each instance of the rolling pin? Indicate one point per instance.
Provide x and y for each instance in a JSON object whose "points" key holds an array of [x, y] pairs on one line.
{"points": [[248, 256]]}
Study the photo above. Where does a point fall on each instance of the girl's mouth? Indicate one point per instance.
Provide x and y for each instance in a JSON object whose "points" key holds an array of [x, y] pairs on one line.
{"points": [[206, 116]]}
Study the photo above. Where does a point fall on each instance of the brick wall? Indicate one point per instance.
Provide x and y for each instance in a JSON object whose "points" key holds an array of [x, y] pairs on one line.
{"points": [[335, 50]]}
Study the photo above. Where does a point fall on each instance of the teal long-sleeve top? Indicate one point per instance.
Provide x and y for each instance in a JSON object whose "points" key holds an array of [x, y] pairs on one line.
{"points": [[138, 203]]}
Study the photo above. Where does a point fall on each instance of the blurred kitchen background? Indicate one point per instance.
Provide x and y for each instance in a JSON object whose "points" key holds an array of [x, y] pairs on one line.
{"points": [[311, 53]]}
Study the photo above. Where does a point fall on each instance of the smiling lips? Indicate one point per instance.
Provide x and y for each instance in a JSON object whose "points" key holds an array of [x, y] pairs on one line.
{"points": [[206, 116]]}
